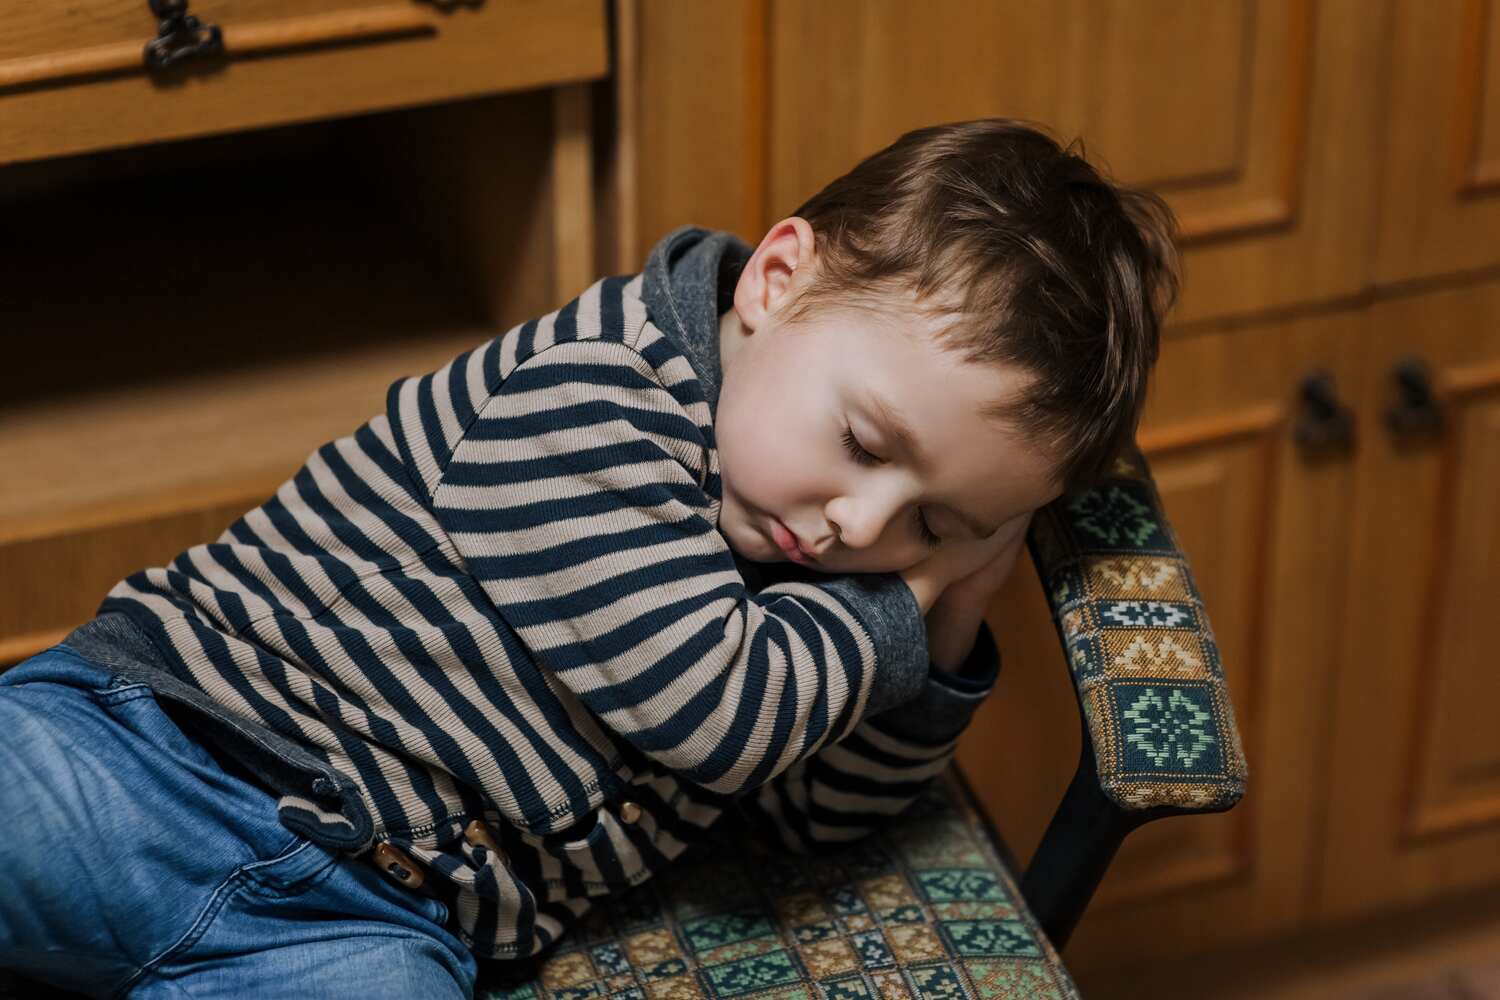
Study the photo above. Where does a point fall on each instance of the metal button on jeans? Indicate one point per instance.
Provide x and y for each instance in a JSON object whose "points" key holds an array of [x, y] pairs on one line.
{"points": [[398, 865], [630, 812]]}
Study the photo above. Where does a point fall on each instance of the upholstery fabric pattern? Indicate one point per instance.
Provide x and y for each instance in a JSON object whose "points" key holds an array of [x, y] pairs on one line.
{"points": [[925, 907], [1139, 646]]}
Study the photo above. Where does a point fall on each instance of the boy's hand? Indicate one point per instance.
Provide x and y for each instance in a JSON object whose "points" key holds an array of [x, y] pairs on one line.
{"points": [[974, 591], [953, 623], [988, 561]]}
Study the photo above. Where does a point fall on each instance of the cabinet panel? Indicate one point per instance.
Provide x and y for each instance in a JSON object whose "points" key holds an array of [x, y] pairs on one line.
{"points": [[1136, 110], [1415, 790], [1458, 745], [1440, 193], [698, 106], [874, 70], [1481, 90], [1202, 101]]}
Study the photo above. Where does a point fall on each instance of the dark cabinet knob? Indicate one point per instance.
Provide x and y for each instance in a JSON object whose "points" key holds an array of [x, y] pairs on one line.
{"points": [[1415, 417], [180, 37], [1324, 425]]}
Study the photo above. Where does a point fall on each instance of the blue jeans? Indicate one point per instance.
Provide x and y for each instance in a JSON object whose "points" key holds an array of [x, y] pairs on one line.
{"points": [[133, 859]]}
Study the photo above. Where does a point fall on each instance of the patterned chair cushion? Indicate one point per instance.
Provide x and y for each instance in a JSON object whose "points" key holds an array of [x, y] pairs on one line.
{"points": [[924, 907], [1142, 654]]}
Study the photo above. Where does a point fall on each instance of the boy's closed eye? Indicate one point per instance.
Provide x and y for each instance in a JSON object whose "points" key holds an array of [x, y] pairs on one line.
{"points": [[865, 457]]}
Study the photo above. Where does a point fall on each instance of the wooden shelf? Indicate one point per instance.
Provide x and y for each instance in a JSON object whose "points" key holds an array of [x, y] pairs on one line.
{"points": [[179, 339], [182, 323], [79, 462]]}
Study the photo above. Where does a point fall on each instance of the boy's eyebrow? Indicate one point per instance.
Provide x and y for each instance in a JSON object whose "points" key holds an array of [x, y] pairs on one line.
{"points": [[894, 423]]}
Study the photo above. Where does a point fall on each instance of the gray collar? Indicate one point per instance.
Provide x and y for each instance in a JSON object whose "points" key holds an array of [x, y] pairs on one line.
{"points": [[689, 283]]}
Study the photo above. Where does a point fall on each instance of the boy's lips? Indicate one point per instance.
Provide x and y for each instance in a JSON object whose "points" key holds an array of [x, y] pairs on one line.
{"points": [[788, 541]]}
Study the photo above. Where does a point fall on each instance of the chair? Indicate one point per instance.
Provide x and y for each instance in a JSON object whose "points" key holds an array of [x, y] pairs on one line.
{"points": [[929, 904]]}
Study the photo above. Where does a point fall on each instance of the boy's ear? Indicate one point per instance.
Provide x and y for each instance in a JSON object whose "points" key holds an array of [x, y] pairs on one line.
{"points": [[770, 275]]}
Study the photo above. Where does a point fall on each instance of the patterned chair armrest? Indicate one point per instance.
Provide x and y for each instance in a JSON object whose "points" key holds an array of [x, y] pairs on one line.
{"points": [[1159, 733]]}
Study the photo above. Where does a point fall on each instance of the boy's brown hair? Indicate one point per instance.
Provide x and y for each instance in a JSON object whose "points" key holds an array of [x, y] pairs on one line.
{"points": [[1047, 265]]}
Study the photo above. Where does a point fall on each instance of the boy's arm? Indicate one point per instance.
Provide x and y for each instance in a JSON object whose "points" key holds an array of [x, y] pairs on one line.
{"points": [[847, 791], [575, 494]]}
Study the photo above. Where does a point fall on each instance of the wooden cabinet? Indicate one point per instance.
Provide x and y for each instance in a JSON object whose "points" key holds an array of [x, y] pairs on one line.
{"points": [[1332, 165], [1414, 807], [73, 77], [185, 321]]}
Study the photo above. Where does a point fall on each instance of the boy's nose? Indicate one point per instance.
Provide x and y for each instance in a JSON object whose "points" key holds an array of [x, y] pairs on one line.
{"points": [[860, 522], [847, 524], [857, 529]]}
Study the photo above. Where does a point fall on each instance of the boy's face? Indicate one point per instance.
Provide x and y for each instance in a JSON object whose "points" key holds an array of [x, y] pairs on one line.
{"points": [[789, 396]]}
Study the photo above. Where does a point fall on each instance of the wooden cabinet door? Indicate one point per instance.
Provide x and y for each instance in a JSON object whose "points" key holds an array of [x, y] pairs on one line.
{"points": [[1263, 528], [1414, 796], [1440, 182], [1256, 120]]}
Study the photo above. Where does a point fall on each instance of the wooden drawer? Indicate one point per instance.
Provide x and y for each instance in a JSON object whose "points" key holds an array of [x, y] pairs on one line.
{"points": [[73, 78]]}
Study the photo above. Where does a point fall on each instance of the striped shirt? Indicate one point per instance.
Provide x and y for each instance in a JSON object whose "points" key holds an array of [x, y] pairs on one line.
{"points": [[505, 599]]}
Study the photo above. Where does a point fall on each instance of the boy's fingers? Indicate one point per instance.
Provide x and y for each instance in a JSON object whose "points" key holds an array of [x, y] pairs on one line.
{"points": [[972, 557], [1005, 548]]}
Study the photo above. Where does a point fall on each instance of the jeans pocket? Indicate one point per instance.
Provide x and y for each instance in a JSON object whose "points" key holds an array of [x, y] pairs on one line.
{"points": [[310, 877], [291, 872]]}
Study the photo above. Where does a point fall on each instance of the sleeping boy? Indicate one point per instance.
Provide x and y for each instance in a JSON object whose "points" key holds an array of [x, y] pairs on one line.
{"points": [[714, 538]]}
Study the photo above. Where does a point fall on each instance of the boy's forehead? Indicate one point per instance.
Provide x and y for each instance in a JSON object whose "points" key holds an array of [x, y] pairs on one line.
{"points": [[932, 413], [926, 393]]}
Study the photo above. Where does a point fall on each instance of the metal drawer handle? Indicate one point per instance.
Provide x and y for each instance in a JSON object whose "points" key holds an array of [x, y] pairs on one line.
{"points": [[180, 37], [1417, 417], [1325, 426]]}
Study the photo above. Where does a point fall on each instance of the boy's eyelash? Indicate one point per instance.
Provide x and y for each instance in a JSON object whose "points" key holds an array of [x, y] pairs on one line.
{"points": [[865, 458], [856, 449]]}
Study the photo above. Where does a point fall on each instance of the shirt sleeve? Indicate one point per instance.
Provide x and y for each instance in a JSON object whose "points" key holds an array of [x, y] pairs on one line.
{"points": [[576, 497], [847, 791]]}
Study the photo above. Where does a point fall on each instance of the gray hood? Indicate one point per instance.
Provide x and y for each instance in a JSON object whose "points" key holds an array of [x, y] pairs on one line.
{"points": [[689, 283]]}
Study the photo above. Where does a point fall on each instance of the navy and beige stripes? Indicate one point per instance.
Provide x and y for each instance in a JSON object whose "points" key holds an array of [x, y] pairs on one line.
{"points": [[506, 598]]}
